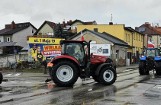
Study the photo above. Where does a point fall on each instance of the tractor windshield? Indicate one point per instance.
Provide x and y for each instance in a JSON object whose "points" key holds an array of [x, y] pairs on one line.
{"points": [[152, 52], [74, 49]]}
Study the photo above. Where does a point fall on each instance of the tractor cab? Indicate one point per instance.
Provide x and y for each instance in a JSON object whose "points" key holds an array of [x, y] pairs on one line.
{"points": [[150, 53], [75, 49]]}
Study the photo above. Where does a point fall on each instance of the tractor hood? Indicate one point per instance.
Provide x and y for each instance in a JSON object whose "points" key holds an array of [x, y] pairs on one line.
{"points": [[98, 59], [65, 57]]}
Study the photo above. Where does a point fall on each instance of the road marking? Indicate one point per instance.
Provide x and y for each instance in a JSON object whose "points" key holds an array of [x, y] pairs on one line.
{"points": [[17, 74], [11, 74], [128, 70]]}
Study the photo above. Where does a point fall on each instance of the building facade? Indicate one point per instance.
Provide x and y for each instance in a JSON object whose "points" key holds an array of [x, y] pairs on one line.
{"points": [[127, 34], [152, 34]]}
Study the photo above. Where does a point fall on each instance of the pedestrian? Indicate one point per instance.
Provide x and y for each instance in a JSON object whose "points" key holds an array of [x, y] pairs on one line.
{"points": [[44, 63]]}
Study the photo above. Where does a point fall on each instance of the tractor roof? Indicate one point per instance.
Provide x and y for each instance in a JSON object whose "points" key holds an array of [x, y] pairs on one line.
{"points": [[72, 41], [151, 48]]}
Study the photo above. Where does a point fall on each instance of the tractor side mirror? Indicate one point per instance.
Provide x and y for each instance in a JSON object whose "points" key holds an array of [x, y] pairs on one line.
{"points": [[61, 42]]}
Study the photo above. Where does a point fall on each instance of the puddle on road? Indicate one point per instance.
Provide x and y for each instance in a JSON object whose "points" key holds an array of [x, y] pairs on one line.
{"points": [[154, 92], [83, 95]]}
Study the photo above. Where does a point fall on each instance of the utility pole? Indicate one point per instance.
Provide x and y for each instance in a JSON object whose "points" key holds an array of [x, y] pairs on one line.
{"points": [[111, 17]]}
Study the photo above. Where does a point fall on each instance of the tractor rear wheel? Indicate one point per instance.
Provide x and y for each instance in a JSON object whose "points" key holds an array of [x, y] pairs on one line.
{"points": [[158, 71], [142, 69], [107, 76], [64, 73], [1, 77]]}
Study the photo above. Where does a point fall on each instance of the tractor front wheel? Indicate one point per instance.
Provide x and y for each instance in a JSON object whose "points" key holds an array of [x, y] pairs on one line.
{"points": [[64, 74], [158, 68], [143, 70], [107, 76]]}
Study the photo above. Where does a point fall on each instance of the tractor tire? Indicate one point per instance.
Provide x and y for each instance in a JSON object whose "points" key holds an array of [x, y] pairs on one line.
{"points": [[158, 71], [158, 68], [142, 69], [1, 77], [64, 74], [107, 76]]}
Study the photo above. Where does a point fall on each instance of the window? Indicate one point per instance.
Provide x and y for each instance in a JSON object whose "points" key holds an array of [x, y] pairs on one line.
{"points": [[8, 39], [74, 49], [40, 33], [96, 29]]}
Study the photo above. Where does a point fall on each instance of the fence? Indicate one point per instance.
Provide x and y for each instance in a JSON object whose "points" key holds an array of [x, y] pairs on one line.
{"points": [[8, 60]]}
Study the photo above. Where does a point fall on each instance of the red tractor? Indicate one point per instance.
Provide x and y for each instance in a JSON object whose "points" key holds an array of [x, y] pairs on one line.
{"points": [[76, 61]]}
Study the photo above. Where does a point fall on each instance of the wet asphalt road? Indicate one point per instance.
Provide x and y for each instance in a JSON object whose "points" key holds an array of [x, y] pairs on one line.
{"points": [[129, 89]]}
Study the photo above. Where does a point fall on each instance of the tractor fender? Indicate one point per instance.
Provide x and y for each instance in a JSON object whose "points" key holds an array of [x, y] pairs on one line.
{"points": [[102, 66], [65, 57]]}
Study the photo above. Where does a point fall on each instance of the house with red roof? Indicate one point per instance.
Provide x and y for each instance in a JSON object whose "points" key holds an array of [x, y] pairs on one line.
{"points": [[69, 28], [14, 37], [152, 35]]}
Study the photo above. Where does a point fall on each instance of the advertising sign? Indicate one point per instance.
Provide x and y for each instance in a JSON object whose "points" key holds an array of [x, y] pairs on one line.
{"points": [[40, 48], [44, 40], [51, 50], [100, 49]]}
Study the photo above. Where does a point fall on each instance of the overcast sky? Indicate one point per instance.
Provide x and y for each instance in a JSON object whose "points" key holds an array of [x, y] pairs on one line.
{"points": [[129, 12]]}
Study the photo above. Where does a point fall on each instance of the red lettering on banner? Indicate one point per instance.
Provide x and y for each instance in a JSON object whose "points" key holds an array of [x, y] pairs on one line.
{"points": [[51, 53], [52, 48]]}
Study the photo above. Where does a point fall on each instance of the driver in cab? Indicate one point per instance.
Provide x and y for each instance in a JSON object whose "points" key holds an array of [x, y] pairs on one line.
{"points": [[74, 51]]}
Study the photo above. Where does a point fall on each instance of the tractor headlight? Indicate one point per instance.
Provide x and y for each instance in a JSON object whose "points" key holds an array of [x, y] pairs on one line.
{"points": [[142, 56]]}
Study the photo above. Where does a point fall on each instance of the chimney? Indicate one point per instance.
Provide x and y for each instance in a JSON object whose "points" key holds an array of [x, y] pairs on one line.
{"points": [[13, 25], [110, 23], [69, 22], [64, 24], [147, 24]]}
